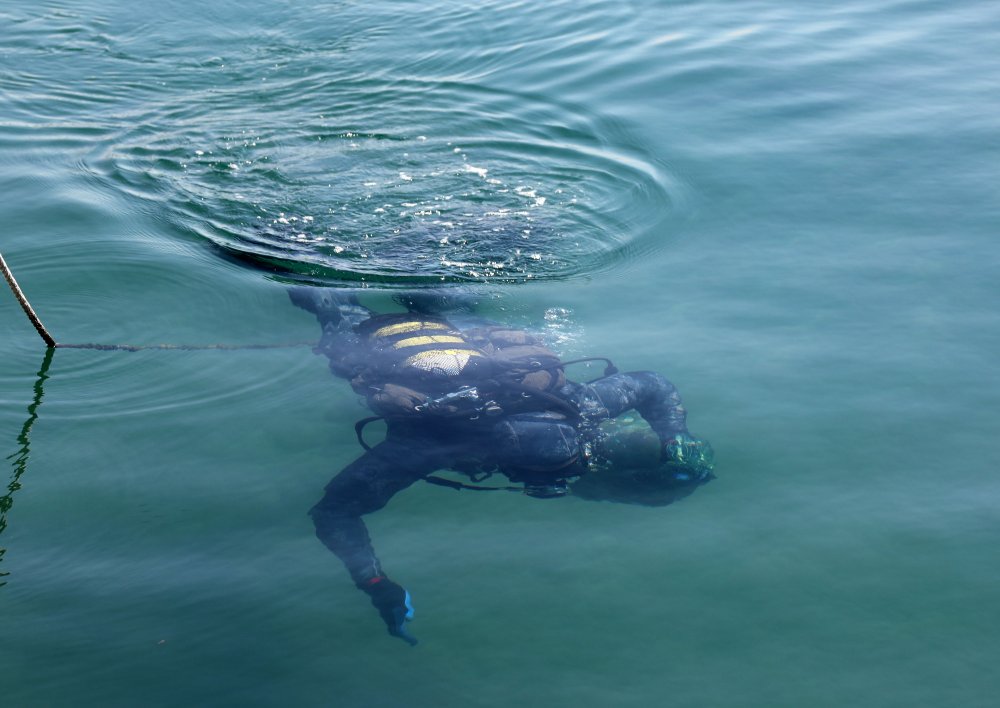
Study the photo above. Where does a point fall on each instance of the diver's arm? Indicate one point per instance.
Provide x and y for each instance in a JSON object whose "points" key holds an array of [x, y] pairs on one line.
{"points": [[364, 486], [659, 403], [647, 392]]}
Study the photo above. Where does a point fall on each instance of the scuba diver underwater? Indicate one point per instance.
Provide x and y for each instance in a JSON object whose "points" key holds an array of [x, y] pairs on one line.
{"points": [[462, 393]]}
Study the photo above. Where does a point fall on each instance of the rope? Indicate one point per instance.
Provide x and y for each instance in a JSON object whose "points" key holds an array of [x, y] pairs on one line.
{"points": [[181, 347], [25, 305], [51, 342]]}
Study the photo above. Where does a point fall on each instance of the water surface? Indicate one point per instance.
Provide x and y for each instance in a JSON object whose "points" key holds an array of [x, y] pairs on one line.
{"points": [[788, 210]]}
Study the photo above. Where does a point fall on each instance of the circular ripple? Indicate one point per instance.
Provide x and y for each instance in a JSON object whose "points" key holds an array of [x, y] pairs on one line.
{"points": [[378, 155], [396, 182]]}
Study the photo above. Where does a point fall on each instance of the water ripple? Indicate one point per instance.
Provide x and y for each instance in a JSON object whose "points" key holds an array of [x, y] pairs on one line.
{"points": [[396, 182], [292, 152]]}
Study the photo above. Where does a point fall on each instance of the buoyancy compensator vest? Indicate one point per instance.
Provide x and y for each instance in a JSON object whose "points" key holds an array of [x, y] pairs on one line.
{"points": [[424, 365], [413, 359]]}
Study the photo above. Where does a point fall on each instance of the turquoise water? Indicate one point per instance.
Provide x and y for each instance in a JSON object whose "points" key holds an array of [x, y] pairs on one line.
{"points": [[789, 209]]}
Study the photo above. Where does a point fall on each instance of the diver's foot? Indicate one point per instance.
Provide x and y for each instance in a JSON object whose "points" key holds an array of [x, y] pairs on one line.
{"points": [[322, 302]]}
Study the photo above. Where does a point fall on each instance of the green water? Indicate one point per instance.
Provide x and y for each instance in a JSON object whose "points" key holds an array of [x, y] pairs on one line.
{"points": [[790, 210]]}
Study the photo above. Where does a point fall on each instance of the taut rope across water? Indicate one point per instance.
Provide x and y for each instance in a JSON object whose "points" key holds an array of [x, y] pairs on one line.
{"points": [[52, 344]]}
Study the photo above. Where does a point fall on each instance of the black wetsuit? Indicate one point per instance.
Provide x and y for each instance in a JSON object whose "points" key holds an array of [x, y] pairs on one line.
{"points": [[539, 447]]}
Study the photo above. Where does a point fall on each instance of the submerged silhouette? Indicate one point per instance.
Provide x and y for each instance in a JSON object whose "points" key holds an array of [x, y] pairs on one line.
{"points": [[462, 393]]}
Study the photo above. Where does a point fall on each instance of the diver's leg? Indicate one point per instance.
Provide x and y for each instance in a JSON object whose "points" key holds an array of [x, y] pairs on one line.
{"points": [[338, 314], [330, 306]]}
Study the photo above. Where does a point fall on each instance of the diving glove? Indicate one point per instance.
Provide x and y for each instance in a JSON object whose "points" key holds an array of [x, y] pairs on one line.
{"points": [[393, 604], [688, 458]]}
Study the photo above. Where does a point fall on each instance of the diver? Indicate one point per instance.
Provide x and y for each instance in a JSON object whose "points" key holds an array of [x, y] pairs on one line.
{"points": [[465, 394]]}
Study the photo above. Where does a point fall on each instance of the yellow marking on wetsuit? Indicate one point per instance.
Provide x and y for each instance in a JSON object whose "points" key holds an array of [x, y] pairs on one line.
{"points": [[429, 339], [449, 361], [411, 326]]}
